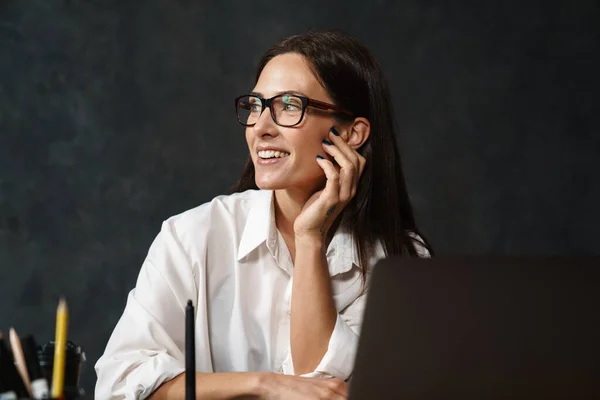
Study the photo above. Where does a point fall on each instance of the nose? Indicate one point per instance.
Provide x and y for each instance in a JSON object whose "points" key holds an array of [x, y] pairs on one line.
{"points": [[265, 124]]}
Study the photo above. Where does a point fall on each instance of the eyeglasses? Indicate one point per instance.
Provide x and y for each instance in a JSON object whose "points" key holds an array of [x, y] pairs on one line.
{"points": [[286, 109]]}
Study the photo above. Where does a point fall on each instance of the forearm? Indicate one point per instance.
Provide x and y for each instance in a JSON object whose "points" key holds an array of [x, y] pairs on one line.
{"points": [[214, 386], [313, 312]]}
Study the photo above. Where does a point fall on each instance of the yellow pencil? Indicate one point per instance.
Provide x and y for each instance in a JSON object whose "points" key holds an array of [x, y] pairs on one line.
{"points": [[60, 346]]}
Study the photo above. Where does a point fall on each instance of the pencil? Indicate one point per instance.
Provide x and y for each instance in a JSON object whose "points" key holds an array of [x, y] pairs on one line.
{"points": [[20, 363], [60, 346]]}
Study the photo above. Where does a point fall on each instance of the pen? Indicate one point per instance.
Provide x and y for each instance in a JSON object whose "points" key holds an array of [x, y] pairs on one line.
{"points": [[39, 385], [190, 353], [5, 393], [60, 346]]}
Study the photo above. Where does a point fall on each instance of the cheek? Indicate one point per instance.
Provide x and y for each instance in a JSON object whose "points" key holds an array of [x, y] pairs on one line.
{"points": [[306, 157], [309, 143], [250, 141], [306, 150]]}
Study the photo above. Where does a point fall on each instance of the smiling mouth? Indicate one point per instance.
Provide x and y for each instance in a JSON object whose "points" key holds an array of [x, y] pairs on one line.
{"points": [[269, 154]]}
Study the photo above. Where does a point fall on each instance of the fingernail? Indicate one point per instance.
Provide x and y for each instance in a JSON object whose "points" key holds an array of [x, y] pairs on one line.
{"points": [[319, 157], [327, 142], [334, 131]]}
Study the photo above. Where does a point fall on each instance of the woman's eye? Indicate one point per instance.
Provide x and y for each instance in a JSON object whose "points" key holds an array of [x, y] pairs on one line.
{"points": [[291, 107], [291, 103]]}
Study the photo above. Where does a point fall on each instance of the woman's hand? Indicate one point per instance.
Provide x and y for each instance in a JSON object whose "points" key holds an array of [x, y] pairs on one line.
{"points": [[254, 385], [324, 206], [292, 387]]}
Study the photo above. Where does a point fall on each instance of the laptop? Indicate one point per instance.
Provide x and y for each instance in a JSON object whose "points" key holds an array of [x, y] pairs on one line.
{"points": [[475, 328]]}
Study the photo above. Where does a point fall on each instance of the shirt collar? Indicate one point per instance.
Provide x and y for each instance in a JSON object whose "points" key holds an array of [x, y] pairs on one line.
{"points": [[260, 227]]}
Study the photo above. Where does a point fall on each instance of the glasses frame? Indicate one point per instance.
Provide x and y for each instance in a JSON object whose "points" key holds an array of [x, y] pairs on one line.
{"points": [[306, 102]]}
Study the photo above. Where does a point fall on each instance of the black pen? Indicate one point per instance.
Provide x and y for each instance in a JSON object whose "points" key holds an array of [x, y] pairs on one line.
{"points": [[190, 353], [5, 392], [39, 384]]}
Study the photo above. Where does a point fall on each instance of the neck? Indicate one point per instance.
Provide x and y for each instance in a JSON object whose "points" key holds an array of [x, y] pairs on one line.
{"points": [[288, 205]]}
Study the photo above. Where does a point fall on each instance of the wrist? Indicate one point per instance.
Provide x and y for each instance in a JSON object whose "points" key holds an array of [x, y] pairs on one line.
{"points": [[260, 383]]}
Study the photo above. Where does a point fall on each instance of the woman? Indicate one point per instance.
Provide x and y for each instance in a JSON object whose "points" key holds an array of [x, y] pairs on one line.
{"points": [[331, 201]]}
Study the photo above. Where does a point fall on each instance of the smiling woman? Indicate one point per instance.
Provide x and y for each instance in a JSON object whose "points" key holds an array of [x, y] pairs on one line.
{"points": [[278, 269]]}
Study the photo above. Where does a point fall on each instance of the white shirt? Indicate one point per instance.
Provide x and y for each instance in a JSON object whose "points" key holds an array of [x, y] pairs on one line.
{"points": [[228, 257]]}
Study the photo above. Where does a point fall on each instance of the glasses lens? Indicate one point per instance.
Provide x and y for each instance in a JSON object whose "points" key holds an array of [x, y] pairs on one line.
{"points": [[287, 109], [248, 109]]}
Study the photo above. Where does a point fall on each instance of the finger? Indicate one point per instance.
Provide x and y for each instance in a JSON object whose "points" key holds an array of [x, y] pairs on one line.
{"points": [[330, 388], [331, 193], [344, 147], [354, 156], [339, 386], [348, 170]]}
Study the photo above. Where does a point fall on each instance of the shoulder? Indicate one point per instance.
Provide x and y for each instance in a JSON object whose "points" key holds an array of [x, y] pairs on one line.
{"points": [[419, 244], [222, 212]]}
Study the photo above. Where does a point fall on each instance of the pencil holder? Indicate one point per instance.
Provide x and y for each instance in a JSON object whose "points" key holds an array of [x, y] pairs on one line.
{"points": [[52, 398], [74, 362], [80, 397]]}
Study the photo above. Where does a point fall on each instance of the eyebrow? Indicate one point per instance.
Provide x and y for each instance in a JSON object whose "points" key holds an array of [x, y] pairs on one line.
{"points": [[280, 92]]}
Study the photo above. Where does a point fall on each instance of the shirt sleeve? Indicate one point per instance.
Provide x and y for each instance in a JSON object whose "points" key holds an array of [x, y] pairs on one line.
{"points": [[338, 361], [147, 345]]}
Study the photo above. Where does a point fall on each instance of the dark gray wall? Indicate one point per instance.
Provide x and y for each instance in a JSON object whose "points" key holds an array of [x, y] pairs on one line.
{"points": [[115, 115]]}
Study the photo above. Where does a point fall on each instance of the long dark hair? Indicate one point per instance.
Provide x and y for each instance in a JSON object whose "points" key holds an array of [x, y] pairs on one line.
{"points": [[381, 209]]}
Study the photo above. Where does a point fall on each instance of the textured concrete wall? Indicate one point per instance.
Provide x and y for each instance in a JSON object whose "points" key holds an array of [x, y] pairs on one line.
{"points": [[115, 115]]}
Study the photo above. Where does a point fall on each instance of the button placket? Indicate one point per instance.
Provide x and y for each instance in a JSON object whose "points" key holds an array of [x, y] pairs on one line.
{"points": [[288, 298], [284, 324]]}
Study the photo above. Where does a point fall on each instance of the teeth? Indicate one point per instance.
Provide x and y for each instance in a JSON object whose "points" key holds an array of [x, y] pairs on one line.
{"points": [[272, 154]]}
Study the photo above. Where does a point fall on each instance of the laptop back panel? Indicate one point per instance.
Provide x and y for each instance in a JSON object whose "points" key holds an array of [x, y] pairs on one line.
{"points": [[480, 328]]}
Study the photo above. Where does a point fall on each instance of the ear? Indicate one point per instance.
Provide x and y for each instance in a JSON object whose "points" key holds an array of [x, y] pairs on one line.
{"points": [[357, 132]]}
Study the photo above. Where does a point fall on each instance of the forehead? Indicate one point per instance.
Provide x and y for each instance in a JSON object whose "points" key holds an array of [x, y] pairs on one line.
{"points": [[289, 72]]}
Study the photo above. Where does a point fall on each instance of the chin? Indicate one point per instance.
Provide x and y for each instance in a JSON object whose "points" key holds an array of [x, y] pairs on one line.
{"points": [[310, 185], [270, 185]]}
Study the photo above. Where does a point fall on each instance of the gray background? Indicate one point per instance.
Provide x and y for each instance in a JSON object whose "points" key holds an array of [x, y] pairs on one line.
{"points": [[115, 115]]}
